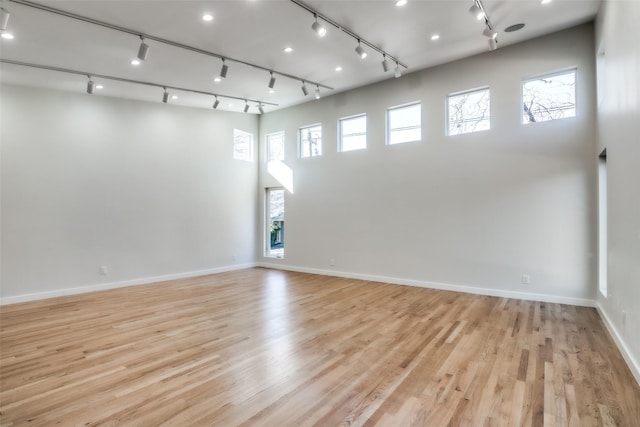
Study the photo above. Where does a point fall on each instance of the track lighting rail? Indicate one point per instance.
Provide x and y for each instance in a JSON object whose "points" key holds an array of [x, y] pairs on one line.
{"points": [[162, 40], [357, 37], [121, 79]]}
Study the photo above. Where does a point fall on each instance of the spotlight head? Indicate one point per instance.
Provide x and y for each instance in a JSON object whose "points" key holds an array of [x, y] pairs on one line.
{"points": [[4, 18], [305, 91], [165, 96], [260, 109], [143, 50], [90, 86], [398, 72], [224, 69], [272, 81], [385, 64], [216, 103], [246, 106], [318, 28], [476, 11], [360, 51], [493, 43], [492, 34], [317, 92]]}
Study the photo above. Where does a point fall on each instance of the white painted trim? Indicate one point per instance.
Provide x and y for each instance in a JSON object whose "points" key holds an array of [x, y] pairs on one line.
{"points": [[632, 363], [436, 285], [114, 285]]}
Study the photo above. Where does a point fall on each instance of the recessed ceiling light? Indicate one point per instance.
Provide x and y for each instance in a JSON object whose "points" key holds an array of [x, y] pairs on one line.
{"points": [[435, 37], [338, 68], [272, 91], [207, 17], [174, 96], [135, 62], [400, 3], [514, 27], [7, 36], [545, 1], [288, 49], [217, 79], [99, 86]]}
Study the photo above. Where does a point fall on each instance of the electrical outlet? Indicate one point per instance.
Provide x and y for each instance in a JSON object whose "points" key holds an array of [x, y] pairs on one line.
{"points": [[526, 279], [102, 271]]}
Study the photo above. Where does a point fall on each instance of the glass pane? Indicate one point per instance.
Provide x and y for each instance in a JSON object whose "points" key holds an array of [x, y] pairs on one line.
{"points": [[404, 124], [469, 112], [311, 141], [276, 223], [549, 98], [354, 133], [275, 143]]}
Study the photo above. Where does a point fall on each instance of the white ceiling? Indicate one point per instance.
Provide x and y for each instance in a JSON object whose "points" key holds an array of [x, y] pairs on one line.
{"points": [[256, 31]]}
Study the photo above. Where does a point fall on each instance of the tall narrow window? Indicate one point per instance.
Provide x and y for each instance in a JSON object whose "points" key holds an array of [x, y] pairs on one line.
{"points": [[311, 141], [469, 111], [275, 223], [242, 145], [602, 223], [353, 133], [275, 146], [404, 124], [549, 97]]}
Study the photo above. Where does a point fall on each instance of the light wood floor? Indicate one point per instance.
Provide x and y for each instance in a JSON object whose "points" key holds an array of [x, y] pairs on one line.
{"points": [[261, 347]]}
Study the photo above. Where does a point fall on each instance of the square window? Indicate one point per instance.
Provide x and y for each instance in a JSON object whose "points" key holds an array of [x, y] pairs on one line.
{"points": [[275, 146], [404, 124], [353, 133], [242, 145], [469, 112], [549, 97], [311, 141]]}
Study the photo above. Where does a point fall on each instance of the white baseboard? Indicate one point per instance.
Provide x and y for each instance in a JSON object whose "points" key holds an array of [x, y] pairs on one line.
{"points": [[122, 284], [584, 302], [622, 345]]}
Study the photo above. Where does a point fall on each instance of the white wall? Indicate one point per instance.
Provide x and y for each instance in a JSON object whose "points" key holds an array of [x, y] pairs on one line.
{"points": [[148, 190], [477, 210], [619, 132]]}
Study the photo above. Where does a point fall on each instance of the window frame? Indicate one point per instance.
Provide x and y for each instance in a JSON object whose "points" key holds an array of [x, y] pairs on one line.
{"points": [[573, 70], [251, 143], [301, 139], [268, 138], [388, 122], [460, 93], [341, 135], [267, 229]]}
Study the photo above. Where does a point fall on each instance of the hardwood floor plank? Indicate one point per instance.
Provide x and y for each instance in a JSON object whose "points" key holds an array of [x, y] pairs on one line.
{"points": [[262, 347]]}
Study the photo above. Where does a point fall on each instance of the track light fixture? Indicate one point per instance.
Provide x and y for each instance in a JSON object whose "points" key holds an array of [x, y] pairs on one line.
{"points": [[224, 69], [143, 50], [246, 106], [317, 92], [493, 43], [4, 18], [90, 86], [90, 76], [476, 11], [385, 63], [272, 81], [320, 30], [260, 108], [398, 72], [488, 32], [305, 91], [216, 103], [360, 51]]}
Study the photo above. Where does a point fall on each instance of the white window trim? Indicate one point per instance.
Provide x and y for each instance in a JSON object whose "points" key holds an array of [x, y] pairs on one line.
{"points": [[388, 128], [267, 137], [559, 72], [366, 131], [462, 92], [300, 154]]}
